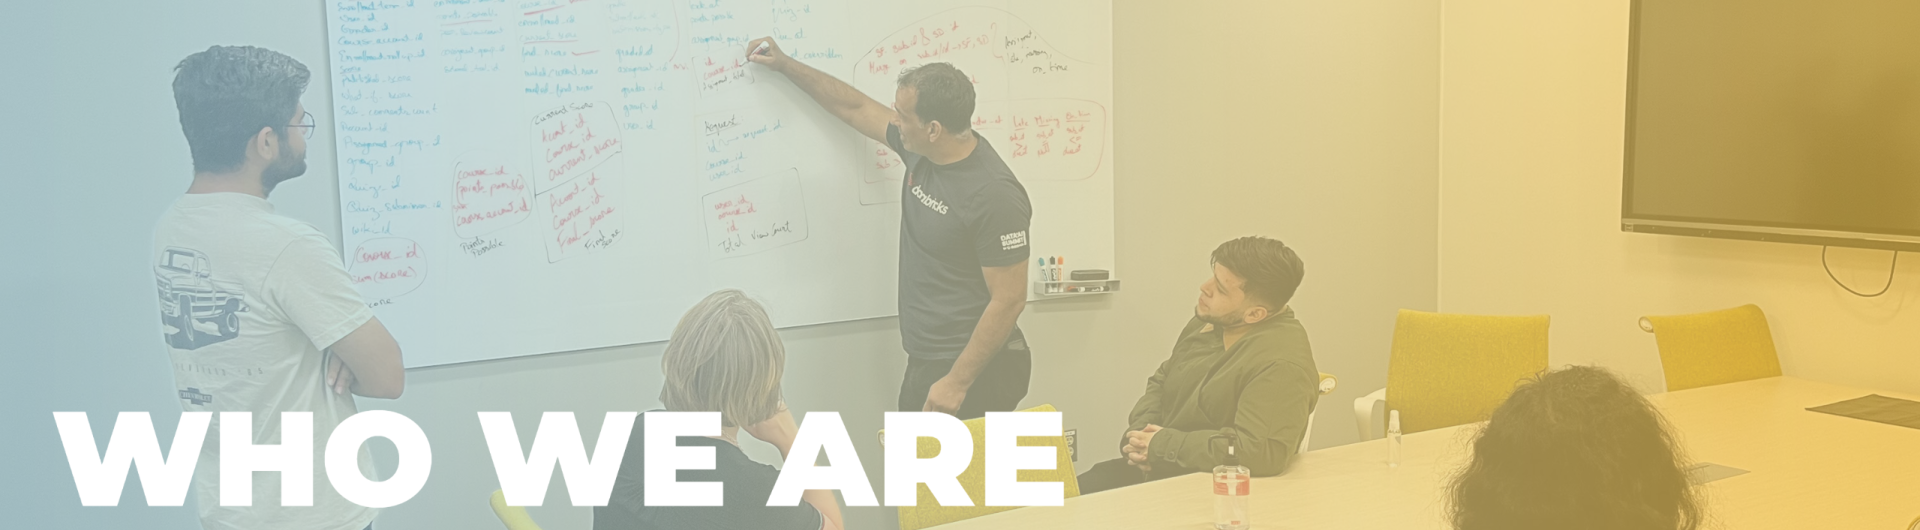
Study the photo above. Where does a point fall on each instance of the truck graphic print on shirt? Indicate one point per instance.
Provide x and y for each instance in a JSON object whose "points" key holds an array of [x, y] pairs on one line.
{"points": [[196, 309]]}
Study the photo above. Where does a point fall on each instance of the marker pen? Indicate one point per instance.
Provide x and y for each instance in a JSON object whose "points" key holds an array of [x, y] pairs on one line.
{"points": [[1043, 273], [1049, 275]]}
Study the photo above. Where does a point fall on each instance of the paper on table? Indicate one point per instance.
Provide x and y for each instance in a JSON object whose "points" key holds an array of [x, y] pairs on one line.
{"points": [[1705, 472], [1876, 408]]}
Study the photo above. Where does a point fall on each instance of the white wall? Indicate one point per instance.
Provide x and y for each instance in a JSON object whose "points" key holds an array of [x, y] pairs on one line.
{"points": [[1314, 122], [1533, 117]]}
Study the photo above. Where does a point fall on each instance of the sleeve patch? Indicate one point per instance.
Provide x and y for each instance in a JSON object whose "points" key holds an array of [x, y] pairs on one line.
{"points": [[1013, 240]]}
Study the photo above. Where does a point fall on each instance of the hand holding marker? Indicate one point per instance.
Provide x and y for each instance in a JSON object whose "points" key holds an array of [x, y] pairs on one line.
{"points": [[766, 53]]}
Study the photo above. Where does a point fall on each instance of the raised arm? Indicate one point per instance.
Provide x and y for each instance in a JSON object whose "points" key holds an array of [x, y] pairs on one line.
{"points": [[839, 98]]}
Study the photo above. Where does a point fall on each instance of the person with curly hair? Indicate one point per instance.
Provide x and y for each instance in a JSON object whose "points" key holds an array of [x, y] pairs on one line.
{"points": [[1576, 449]]}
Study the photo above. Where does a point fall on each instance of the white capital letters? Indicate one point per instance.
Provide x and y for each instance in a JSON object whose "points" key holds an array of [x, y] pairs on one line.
{"points": [[343, 459], [905, 468], [665, 459], [1005, 459], [240, 457], [589, 482], [822, 430], [99, 478]]}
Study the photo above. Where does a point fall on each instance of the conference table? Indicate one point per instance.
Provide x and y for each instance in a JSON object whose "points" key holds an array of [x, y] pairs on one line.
{"points": [[1805, 470]]}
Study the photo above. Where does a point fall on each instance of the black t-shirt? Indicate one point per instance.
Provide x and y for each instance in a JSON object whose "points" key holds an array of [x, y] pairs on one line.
{"points": [[955, 219], [748, 484]]}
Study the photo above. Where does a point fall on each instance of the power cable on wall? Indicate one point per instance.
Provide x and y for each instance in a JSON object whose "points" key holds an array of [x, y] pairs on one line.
{"points": [[1836, 281]]}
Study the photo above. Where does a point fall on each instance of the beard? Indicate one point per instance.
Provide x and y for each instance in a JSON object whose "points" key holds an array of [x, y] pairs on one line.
{"points": [[284, 168], [1219, 321]]}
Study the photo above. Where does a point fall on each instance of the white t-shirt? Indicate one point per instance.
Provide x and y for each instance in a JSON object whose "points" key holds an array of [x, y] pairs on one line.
{"points": [[267, 294]]}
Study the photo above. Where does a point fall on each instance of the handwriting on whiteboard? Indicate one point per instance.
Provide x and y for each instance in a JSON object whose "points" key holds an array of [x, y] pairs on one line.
{"points": [[762, 214], [572, 140], [1022, 86], [582, 215], [576, 149], [721, 73], [387, 267], [734, 145], [488, 195], [1048, 139]]}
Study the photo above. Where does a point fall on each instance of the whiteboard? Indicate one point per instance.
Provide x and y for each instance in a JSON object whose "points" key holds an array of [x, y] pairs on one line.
{"points": [[526, 177]]}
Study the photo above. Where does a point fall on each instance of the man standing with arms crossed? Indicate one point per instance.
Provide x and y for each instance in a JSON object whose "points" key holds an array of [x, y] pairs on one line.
{"points": [[259, 315], [963, 236]]}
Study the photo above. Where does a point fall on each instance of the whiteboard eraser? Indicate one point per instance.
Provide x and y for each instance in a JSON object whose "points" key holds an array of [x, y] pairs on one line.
{"points": [[1089, 275]]}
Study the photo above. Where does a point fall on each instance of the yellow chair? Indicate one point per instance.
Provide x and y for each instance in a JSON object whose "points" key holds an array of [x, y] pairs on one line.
{"points": [[1327, 384], [928, 512], [1449, 369], [1715, 347], [514, 517]]}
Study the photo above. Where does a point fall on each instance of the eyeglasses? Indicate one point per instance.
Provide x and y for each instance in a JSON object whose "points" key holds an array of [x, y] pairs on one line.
{"points": [[306, 122]]}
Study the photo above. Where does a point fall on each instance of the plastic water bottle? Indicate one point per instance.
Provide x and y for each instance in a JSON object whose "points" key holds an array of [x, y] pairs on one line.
{"points": [[1231, 483], [1393, 438]]}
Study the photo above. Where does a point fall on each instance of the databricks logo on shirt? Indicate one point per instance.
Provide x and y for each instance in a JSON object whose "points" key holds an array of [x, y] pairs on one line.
{"points": [[1013, 240], [931, 202]]}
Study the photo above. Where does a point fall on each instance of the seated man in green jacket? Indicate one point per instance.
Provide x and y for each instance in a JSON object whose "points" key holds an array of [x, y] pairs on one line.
{"points": [[1241, 370]]}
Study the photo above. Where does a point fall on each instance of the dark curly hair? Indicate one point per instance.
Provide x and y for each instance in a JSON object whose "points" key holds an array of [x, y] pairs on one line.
{"points": [[226, 94], [1575, 449]]}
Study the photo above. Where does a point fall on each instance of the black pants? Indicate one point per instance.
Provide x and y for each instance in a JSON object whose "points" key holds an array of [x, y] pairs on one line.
{"points": [[1117, 473], [1000, 387]]}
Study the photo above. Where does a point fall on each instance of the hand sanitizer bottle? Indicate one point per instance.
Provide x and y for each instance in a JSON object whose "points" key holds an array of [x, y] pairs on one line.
{"points": [[1231, 483], [1393, 438]]}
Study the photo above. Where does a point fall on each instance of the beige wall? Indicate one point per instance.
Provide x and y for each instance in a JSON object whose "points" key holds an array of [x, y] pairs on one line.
{"points": [[1532, 115]]}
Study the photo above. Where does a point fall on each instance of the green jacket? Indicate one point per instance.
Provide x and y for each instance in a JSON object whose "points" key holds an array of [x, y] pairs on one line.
{"points": [[1262, 394]]}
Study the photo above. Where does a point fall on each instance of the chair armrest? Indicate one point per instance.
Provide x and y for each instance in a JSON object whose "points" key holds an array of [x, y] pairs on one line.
{"points": [[1363, 413], [513, 517]]}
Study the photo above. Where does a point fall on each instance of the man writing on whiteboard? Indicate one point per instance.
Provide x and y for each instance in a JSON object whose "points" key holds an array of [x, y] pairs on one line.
{"points": [[963, 235], [258, 314]]}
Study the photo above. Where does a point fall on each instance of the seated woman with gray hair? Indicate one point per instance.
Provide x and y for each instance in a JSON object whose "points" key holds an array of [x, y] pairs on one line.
{"points": [[724, 357]]}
